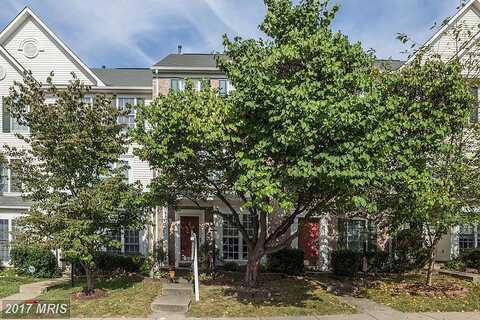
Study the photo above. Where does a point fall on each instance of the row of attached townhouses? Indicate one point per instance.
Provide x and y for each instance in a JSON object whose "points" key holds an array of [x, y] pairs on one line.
{"points": [[26, 43]]}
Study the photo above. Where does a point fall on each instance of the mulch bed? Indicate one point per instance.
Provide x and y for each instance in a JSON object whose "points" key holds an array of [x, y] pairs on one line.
{"points": [[99, 293], [449, 290]]}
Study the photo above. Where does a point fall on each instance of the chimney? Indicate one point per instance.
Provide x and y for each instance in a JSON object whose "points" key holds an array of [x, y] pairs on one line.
{"points": [[179, 49]]}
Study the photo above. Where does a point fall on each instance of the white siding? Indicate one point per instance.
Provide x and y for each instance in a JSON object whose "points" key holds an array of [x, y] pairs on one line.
{"points": [[50, 58], [447, 44]]}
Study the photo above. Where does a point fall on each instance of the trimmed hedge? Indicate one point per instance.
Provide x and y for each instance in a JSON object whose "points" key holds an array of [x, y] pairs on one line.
{"points": [[42, 259], [288, 261], [109, 263], [346, 262]]}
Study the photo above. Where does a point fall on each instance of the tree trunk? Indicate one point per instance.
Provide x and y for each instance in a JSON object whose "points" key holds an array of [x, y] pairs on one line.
{"points": [[431, 260], [251, 274], [89, 288]]}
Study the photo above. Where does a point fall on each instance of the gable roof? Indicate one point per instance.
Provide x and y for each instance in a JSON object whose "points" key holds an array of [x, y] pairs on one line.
{"points": [[25, 14], [390, 64], [200, 61], [125, 77], [447, 25], [12, 60]]}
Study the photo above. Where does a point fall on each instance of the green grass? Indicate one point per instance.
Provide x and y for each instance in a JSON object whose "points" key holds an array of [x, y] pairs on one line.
{"points": [[384, 294], [126, 297], [290, 297], [10, 283]]}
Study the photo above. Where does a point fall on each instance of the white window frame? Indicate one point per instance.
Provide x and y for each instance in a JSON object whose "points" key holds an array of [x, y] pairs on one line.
{"points": [[134, 109], [242, 250], [9, 179], [476, 238], [355, 219], [181, 84]]}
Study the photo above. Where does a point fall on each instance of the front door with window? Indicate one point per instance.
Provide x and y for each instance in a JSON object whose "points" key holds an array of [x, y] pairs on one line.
{"points": [[308, 240], [188, 225]]}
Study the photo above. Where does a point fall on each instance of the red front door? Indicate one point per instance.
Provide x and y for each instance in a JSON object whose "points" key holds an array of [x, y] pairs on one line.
{"points": [[308, 239], [188, 225]]}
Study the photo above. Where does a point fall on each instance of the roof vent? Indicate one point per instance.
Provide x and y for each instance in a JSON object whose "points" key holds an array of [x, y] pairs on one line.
{"points": [[179, 49]]}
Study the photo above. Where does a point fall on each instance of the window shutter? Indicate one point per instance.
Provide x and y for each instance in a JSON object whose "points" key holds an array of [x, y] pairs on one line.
{"points": [[6, 119]]}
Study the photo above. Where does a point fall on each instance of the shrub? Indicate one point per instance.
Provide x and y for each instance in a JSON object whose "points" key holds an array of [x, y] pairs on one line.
{"points": [[288, 261], [231, 266], [378, 261], [345, 262], [114, 262], [455, 264], [471, 259], [42, 259], [409, 252]]}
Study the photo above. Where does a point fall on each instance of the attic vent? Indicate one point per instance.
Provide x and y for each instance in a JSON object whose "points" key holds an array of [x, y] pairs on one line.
{"points": [[30, 49]]}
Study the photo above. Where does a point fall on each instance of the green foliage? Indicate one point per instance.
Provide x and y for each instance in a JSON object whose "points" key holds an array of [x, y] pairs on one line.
{"points": [[231, 266], [298, 135], [115, 263], [78, 198], [409, 252], [455, 264], [345, 262], [471, 259], [379, 261], [41, 258], [288, 261]]}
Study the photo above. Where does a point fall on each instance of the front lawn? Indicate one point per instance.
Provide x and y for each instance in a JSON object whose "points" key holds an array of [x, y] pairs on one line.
{"points": [[289, 296], [124, 297], [10, 283], [386, 292]]}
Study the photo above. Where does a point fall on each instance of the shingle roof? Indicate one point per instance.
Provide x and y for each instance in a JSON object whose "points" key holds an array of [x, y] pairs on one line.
{"points": [[13, 202], [201, 60], [188, 60], [389, 64], [128, 77]]}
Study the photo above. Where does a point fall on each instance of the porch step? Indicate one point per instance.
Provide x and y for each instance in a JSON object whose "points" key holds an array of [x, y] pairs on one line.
{"points": [[171, 303], [177, 289]]}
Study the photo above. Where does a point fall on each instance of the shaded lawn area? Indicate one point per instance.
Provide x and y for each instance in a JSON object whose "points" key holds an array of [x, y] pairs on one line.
{"points": [[290, 296], [385, 293], [10, 283], [125, 297]]}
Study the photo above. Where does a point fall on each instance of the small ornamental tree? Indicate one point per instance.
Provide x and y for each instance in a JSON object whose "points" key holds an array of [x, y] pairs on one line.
{"points": [[432, 177], [68, 173], [293, 139]]}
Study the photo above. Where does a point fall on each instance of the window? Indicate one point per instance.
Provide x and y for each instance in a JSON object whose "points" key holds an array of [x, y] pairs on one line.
{"points": [[123, 167], [15, 183], [354, 233], [223, 87], [87, 99], [4, 243], [175, 84], [131, 241], [234, 246], [115, 235], [9, 180], [474, 114], [466, 238], [128, 104]]}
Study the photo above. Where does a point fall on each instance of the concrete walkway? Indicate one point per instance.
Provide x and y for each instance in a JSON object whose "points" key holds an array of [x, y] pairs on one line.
{"points": [[32, 290]]}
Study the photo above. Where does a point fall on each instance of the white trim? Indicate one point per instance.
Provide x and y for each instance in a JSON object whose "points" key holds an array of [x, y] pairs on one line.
{"points": [[13, 207], [28, 12], [440, 32], [12, 60]]}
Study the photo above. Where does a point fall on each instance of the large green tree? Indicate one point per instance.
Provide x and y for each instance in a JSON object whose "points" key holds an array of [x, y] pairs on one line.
{"points": [[68, 171], [432, 167], [293, 139]]}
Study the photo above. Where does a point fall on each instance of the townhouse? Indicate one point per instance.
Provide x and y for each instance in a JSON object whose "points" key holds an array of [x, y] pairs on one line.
{"points": [[27, 43]]}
